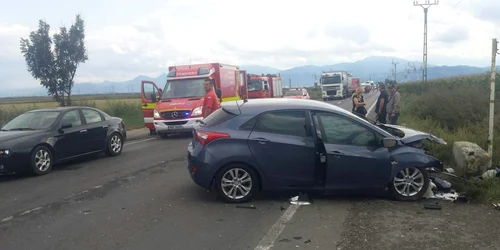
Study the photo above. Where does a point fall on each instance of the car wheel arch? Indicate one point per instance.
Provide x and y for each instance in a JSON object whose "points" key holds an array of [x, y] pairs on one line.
{"points": [[52, 151], [259, 176]]}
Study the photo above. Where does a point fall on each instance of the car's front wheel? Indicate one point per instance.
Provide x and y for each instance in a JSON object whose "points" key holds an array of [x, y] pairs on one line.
{"points": [[114, 145], [41, 160], [409, 184], [236, 183]]}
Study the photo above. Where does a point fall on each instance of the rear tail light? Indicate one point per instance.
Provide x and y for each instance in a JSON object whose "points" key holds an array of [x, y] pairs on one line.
{"points": [[205, 137]]}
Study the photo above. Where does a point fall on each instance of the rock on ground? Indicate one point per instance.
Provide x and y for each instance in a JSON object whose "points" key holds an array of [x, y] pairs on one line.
{"points": [[470, 158]]}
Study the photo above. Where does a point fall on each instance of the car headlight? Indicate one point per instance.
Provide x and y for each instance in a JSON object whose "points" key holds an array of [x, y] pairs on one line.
{"points": [[4, 152], [156, 114], [196, 111]]}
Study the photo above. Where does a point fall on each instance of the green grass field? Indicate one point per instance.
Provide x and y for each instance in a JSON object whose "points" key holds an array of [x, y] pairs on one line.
{"points": [[127, 107], [455, 109]]}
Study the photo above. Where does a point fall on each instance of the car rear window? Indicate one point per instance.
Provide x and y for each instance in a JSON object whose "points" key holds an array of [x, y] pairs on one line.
{"points": [[217, 117]]}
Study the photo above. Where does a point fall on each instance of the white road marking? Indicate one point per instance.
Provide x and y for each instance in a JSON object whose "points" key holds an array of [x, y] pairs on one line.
{"points": [[135, 142], [31, 210], [268, 241], [371, 108], [7, 219]]}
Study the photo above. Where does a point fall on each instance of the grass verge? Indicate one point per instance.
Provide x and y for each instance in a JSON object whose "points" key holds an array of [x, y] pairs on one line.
{"points": [[455, 109], [127, 109]]}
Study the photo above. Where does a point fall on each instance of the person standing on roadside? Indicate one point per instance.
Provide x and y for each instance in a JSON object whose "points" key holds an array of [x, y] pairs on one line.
{"points": [[380, 107], [394, 105], [358, 103], [210, 102]]}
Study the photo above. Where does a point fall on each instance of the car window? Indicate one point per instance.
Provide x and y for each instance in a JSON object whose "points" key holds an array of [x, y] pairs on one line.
{"points": [[91, 116], [340, 130], [72, 117], [248, 125], [284, 123], [217, 117]]}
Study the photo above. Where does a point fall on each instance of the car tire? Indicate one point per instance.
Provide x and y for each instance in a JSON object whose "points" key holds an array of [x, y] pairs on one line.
{"points": [[415, 179], [114, 145], [41, 160], [245, 186]]}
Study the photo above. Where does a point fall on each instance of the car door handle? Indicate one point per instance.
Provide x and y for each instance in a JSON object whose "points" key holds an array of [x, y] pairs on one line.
{"points": [[336, 153], [261, 140], [83, 131]]}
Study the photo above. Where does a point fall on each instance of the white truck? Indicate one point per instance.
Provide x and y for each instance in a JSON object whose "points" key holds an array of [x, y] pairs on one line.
{"points": [[334, 84]]}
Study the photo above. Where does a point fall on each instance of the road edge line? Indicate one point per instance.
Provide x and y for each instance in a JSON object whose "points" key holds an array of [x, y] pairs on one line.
{"points": [[267, 242], [371, 108]]}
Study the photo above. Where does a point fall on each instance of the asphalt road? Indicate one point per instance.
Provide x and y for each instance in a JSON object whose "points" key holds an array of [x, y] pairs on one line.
{"points": [[145, 199]]}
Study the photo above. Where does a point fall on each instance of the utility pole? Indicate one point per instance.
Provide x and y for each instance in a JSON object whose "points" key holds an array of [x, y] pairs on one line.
{"points": [[395, 71], [494, 53], [290, 82], [425, 5]]}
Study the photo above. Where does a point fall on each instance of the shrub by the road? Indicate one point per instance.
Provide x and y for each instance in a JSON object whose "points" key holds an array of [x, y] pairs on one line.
{"points": [[455, 109]]}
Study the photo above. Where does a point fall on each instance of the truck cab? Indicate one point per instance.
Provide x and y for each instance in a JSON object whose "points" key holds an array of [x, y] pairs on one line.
{"points": [[179, 106]]}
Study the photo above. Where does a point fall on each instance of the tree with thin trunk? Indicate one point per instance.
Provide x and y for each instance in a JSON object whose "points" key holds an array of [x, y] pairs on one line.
{"points": [[54, 61]]}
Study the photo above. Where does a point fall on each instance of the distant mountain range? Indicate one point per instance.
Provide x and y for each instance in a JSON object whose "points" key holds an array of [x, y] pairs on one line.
{"points": [[374, 68]]}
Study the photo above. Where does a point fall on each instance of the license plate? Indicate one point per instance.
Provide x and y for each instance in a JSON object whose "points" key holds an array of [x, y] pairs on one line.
{"points": [[174, 127]]}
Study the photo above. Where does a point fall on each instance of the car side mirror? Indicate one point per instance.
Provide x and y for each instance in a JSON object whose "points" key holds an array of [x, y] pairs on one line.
{"points": [[389, 142], [66, 125], [266, 88], [304, 94], [153, 97]]}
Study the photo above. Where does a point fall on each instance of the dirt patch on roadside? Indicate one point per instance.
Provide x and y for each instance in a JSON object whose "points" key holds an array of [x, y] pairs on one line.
{"points": [[383, 224]]}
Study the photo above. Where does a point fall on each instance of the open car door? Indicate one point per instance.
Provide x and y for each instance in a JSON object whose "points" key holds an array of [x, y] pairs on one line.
{"points": [[241, 79], [150, 95]]}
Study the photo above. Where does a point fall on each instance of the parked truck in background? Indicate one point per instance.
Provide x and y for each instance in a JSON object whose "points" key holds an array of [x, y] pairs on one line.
{"points": [[264, 86], [334, 84], [179, 106], [353, 85]]}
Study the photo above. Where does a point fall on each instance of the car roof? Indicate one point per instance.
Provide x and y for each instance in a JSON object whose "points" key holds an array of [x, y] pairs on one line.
{"points": [[270, 104], [61, 108]]}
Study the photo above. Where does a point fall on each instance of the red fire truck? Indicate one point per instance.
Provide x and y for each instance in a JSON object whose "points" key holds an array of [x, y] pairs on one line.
{"points": [[178, 106], [264, 86]]}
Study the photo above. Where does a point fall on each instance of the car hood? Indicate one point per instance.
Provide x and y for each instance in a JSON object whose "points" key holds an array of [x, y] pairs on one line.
{"points": [[183, 103], [412, 135], [7, 137], [294, 97]]}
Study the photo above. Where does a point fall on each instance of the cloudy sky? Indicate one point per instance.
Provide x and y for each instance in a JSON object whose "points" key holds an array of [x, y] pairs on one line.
{"points": [[126, 38]]}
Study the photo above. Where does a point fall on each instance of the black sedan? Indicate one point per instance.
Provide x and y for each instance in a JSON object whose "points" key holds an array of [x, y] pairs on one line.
{"points": [[34, 141]]}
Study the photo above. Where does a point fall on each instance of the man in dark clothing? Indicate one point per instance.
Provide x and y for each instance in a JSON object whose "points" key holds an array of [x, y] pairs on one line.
{"points": [[381, 106]]}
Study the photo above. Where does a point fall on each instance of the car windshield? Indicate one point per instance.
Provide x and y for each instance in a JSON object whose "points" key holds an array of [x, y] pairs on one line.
{"points": [[331, 80], [254, 85], [293, 93], [184, 88], [32, 121]]}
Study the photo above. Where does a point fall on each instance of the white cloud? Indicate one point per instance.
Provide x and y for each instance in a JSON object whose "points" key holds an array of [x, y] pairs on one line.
{"points": [[146, 37]]}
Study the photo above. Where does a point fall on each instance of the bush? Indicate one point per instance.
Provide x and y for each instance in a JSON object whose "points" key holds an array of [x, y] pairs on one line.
{"points": [[455, 109]]}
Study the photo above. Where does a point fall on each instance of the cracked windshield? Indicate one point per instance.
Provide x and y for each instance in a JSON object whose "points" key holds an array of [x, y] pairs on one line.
{"points": [[170, 125]]}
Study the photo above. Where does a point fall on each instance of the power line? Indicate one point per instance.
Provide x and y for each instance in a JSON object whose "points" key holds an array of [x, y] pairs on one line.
{"points": [[425, 5]]}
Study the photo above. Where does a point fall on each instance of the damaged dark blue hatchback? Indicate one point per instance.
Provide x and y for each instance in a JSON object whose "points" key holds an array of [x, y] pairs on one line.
{"points": [[283, 144]]}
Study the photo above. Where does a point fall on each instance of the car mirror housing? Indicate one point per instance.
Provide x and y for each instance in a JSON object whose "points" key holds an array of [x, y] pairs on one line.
{"points": [[389, 142], [66, 125]]}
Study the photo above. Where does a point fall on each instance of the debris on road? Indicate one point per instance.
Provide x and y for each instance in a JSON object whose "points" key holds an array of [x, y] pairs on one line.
{"points": [[302, 199], [440, 189], [491, 173], [432, 206], [496, 206], [247, 207]]}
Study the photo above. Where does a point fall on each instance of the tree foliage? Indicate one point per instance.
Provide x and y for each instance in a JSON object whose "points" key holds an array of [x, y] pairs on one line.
{"points": [[54, 61]]}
